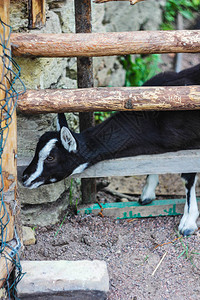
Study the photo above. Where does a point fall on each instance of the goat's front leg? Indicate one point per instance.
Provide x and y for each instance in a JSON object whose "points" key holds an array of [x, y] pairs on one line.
{"points": [[188, 222], [148, 193]]}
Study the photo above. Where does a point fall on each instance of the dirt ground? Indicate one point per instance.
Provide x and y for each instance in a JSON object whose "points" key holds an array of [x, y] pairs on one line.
{"points": [[132, 249]]}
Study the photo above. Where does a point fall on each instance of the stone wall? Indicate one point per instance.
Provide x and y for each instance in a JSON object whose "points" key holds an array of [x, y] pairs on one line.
{"points": [[46, 204]]}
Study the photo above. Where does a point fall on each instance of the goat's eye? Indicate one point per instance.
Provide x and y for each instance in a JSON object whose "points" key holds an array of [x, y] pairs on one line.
{"points": [[49, 158]]}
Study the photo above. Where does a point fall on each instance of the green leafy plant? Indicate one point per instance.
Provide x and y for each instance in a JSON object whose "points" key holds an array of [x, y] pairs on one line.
{"points": [[140, 70], [100, 116], [185, 7]]}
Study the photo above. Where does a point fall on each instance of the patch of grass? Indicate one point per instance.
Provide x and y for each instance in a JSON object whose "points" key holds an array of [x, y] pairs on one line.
{"points": [[61, 224], [187, 253]]}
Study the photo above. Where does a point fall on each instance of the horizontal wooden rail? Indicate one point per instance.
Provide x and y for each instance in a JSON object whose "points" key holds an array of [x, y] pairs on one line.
{"points": [[105, 44], [185, 161], [108, 99]]}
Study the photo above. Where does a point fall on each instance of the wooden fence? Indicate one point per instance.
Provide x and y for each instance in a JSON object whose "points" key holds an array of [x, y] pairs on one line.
{"points": [[101, 99]]}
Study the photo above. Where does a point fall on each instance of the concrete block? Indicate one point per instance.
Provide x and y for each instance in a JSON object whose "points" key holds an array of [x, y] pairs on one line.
{"points": [[64, 280]]}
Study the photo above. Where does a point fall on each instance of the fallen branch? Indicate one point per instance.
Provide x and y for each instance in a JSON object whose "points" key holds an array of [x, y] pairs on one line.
{"points": [[120, 195], [132, 2]]}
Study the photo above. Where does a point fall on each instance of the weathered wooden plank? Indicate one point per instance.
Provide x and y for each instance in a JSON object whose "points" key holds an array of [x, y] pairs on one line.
{"points": [[129, 210], [37, 13], [110, 98], [187, 161], [105, 44]]}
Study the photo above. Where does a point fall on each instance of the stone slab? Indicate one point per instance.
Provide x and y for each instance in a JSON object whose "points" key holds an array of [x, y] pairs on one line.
{"points": [[64, 280]]}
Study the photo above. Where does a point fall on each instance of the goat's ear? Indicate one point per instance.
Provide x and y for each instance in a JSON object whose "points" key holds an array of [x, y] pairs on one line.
{"points": [[67, 139], [61, 121]]}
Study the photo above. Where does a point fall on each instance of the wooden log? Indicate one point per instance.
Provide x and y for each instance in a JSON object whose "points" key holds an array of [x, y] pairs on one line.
{"points": [[37, 13], [105, 44], [83, 14], [109, 99]]}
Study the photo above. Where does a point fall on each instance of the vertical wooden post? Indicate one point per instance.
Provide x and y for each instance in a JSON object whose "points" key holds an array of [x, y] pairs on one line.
{"points": [[8, 135], [85, 80], [37, 13]]}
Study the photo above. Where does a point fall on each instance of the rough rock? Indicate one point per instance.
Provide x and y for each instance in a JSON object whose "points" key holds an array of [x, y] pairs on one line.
{"points": [[28, 236]]}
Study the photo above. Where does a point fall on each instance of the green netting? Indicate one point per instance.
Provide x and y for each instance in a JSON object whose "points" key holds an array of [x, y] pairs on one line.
{"points": [[9, 79]]}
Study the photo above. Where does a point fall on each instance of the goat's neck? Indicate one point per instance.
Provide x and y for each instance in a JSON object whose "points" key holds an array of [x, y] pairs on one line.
{"points": [[107, 140]]}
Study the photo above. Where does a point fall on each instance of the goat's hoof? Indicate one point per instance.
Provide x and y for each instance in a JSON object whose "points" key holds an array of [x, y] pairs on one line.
{"points": [[145, 201], [188, 231]]}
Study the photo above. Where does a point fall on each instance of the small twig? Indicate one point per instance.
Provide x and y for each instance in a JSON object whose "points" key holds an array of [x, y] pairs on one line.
{"points": [[132, 2], [120, 195], [158, 265], [101, 211], [160, 245]]}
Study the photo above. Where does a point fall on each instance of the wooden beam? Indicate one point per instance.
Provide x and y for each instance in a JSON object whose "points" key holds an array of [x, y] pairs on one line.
{"points": [[108, 99], [105, 44], [37, 13], [130, 210], [185, 161], [9, 135], [8, 181], [83, 15]]}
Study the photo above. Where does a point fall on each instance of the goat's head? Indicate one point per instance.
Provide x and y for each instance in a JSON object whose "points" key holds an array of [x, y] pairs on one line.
{"points": [[56, 157]]}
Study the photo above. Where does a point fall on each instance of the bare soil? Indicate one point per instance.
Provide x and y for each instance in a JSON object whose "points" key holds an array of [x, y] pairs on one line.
{"points": [[132, 249]]}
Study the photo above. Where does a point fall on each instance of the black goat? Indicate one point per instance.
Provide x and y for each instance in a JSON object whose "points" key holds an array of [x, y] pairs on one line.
{"points": [[64, 153]]}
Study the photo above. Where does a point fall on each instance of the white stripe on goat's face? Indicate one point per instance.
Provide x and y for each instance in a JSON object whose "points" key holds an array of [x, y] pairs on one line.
{"points": [[43, 154], [56, 157]]}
